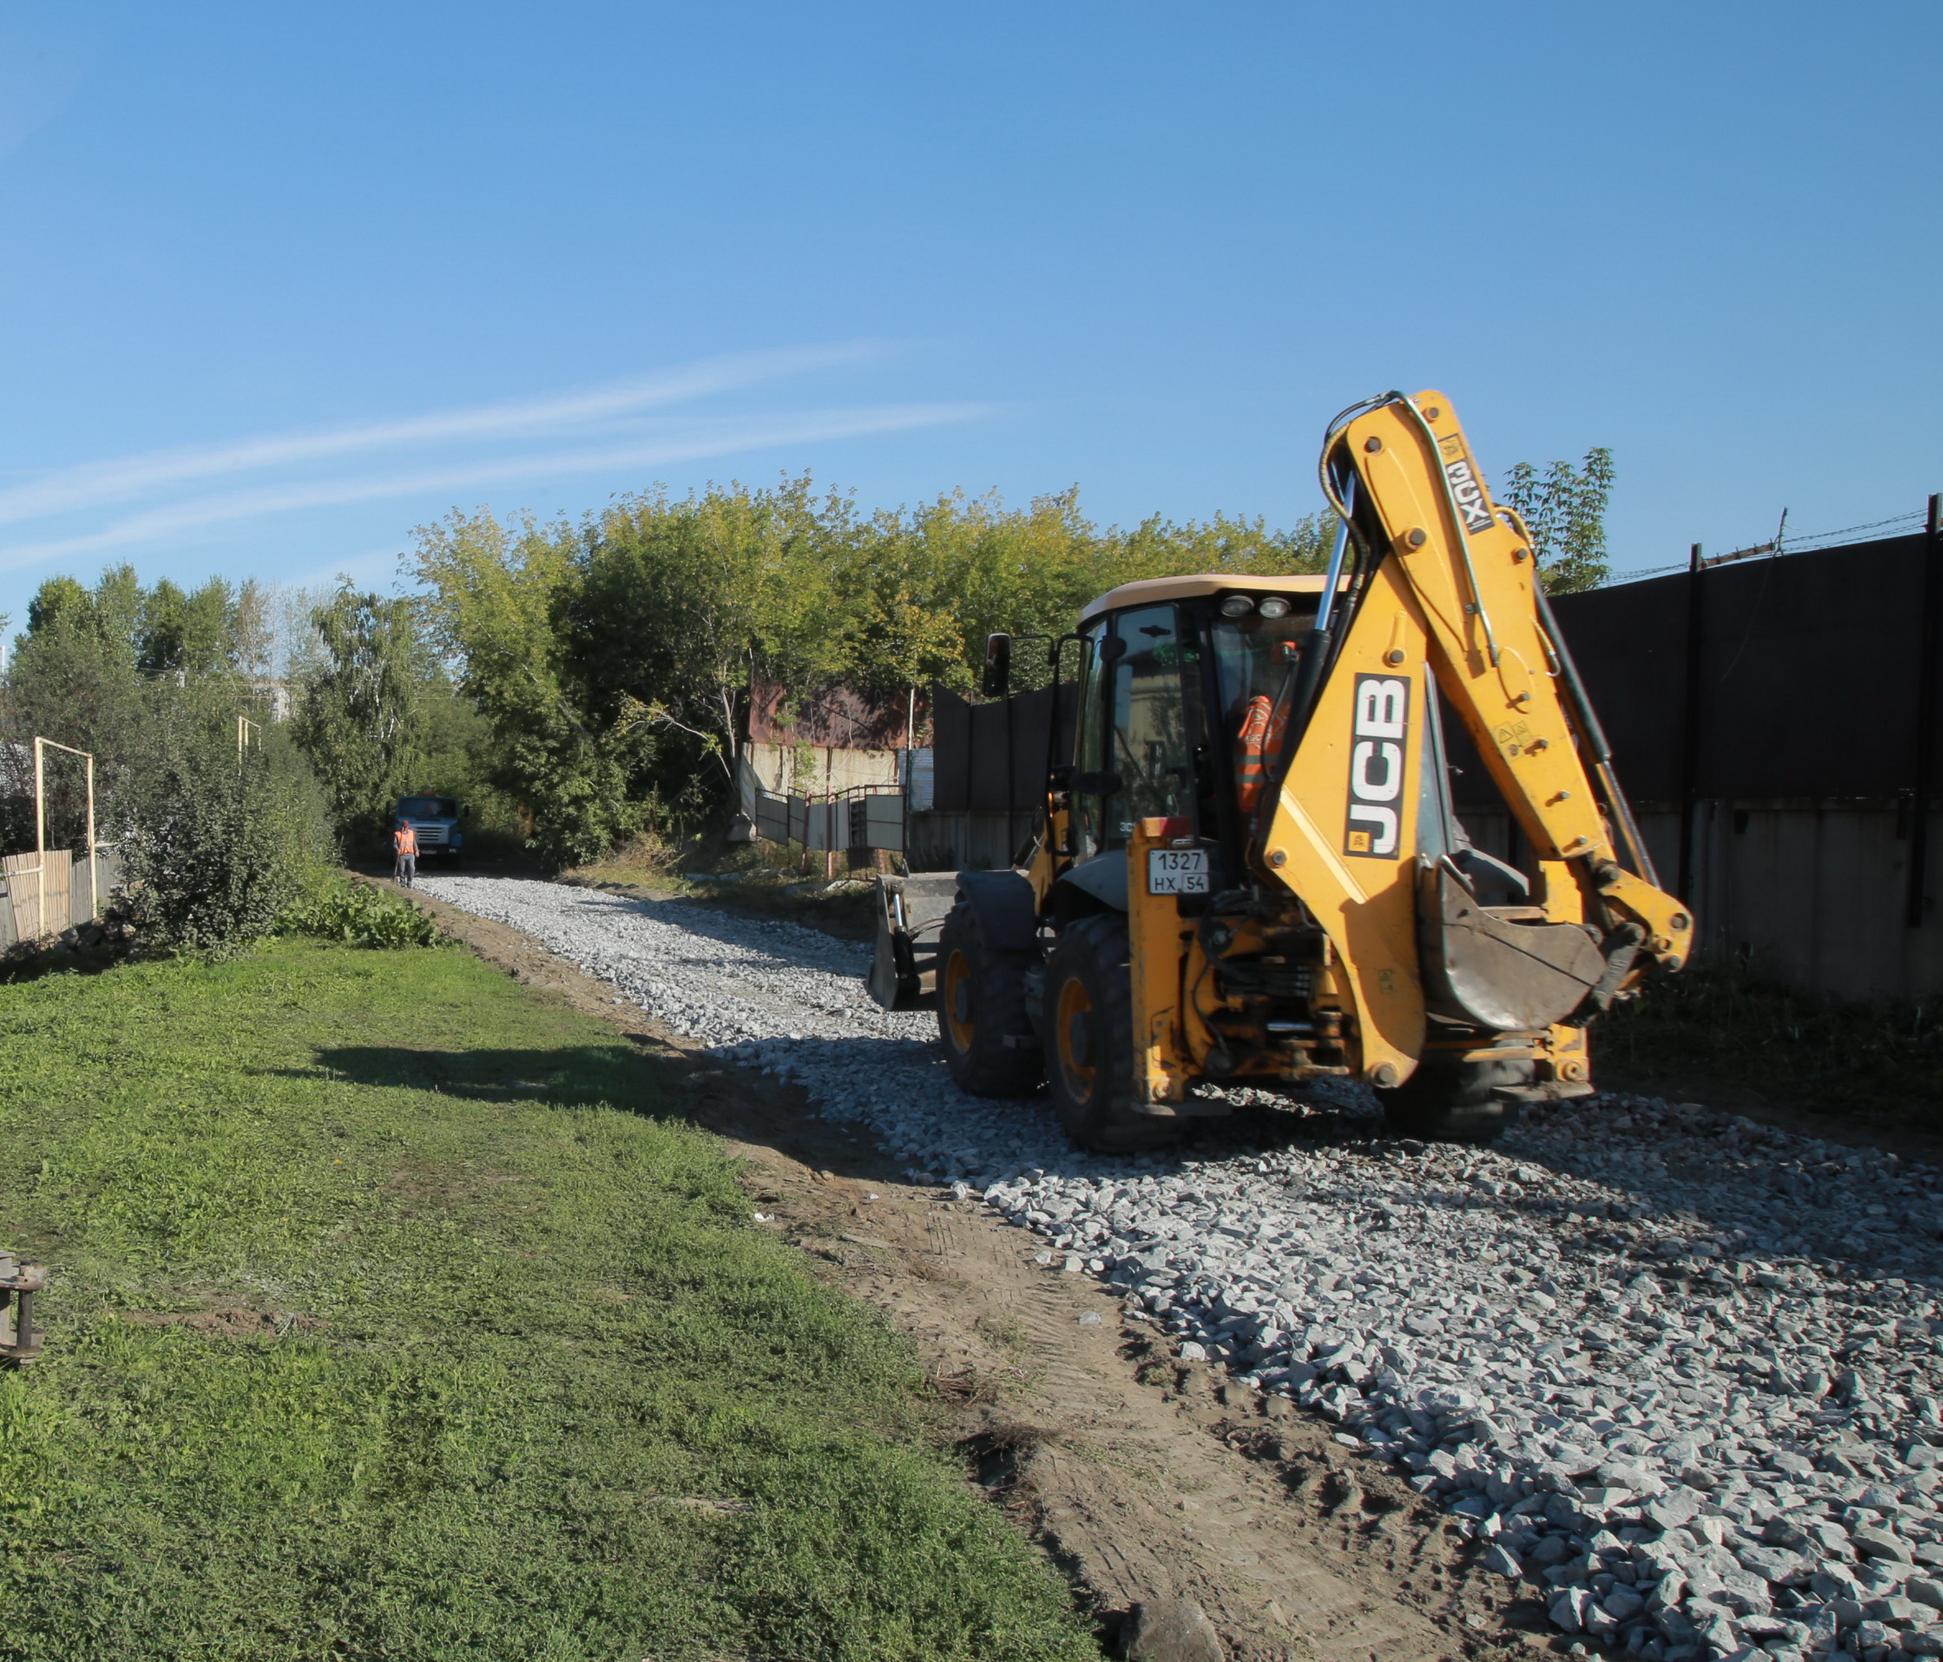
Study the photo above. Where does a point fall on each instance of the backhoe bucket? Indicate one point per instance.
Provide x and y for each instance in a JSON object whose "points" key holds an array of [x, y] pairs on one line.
{"points": [[910, 911]]}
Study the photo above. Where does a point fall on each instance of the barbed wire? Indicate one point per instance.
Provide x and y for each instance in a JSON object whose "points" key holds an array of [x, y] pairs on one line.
{"points": [[1845, 530], [1804, 542]]}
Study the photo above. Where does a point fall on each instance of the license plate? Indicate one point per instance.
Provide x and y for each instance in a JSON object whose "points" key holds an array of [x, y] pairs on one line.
{"points": [[1177, 871]]}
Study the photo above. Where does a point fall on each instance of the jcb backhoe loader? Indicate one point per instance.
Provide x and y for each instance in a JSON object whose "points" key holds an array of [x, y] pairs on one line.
{"points": [[1249, 869]]}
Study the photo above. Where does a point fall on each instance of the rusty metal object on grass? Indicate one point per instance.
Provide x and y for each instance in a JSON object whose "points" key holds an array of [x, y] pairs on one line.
{"points": [[19, 1284]]}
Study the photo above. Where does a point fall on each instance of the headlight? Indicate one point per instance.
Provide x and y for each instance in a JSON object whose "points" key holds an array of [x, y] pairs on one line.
{"points": [[1238, 605], [1275, 605]]}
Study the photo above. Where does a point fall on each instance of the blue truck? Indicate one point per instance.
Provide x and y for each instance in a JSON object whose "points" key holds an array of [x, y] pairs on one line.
{"points": [[436, 820]]}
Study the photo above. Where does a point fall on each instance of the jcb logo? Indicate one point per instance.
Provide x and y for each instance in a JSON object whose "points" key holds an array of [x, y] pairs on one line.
{"points": [[1379, 743], [1468, 490]]}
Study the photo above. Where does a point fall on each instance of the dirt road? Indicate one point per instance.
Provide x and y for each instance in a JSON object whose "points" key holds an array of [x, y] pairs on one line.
{"points": [[1677, 1373], [1148, 1480]]}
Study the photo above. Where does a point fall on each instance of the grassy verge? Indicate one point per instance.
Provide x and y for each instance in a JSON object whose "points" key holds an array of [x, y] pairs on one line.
{"points": [[391, 1318], [1714, 1028]]}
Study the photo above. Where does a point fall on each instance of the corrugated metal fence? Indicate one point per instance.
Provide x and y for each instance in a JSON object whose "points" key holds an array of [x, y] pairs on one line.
{"points": [[862, 820]]}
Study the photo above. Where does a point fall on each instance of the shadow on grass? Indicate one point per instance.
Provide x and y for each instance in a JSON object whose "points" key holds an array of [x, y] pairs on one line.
{"points": [[627, 1076], [633, 1077]]}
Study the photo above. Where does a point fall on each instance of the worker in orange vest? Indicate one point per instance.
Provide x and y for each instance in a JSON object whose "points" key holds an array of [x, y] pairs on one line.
{"points": [[1251, 772], [1259, 740], [404, 850]]}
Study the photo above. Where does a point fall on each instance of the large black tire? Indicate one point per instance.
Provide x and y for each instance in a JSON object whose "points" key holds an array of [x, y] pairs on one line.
{"points": [[988, 1038], [1453, 1102], [1088, 1032]]}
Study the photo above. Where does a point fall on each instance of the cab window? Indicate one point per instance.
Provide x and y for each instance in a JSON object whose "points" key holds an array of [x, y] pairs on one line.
{"points": [[1090, 748], [1152, 755]]}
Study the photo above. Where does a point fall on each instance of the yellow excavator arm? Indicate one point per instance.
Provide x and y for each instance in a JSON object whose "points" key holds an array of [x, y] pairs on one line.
{"points": [[1443, 603]]}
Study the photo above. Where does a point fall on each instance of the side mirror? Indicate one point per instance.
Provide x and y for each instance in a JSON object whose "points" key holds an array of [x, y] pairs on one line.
{"points": [[997, 680]]}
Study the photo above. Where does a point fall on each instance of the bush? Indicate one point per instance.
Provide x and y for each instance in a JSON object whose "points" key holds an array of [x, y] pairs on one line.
{"points": [[579, 793], [358, 915], [214, 845]]}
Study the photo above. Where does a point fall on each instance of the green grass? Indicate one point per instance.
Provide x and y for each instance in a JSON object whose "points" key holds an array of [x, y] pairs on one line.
{"points": [[1880, 1061], [388, 1320]]}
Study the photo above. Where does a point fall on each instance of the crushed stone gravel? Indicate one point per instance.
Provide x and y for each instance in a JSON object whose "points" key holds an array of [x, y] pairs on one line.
{"points": [[1679, 1371]]}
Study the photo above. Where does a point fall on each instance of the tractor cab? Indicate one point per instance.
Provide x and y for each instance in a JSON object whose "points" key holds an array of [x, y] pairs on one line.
{"points": [[1179, 684], [1175, 688]]}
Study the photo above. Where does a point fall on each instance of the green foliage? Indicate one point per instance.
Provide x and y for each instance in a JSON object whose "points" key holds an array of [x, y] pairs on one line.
{"points": [[590, 681], [1564, 508], [68, 683], [395, 1316], [117, 600], [456, 754], [213, 843], [614, 658], [1726, 1025], [355, 914], [674, 603], [575, 757], [59, 603], [356, 718]]}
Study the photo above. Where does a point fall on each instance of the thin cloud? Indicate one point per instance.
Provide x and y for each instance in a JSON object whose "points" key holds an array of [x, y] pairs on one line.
{"points": [[721, 439], [95, 483]]}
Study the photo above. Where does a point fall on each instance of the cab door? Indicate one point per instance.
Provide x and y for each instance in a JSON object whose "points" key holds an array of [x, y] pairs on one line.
{"points": [[1138, 719]]}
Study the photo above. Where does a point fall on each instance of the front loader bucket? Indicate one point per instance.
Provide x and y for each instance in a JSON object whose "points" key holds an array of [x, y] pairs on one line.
{"points": [[910, 911]]}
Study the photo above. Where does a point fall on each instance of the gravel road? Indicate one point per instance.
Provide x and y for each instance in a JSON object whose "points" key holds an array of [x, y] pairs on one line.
{"points": [[1678, 1371]]}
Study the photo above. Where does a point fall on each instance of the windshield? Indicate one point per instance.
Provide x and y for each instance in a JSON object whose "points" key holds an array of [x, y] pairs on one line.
{"points": [[428, 807], [1252, 656]]}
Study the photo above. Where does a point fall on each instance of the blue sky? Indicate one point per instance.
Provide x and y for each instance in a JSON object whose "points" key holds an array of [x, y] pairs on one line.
{"points": [[280, 283]]}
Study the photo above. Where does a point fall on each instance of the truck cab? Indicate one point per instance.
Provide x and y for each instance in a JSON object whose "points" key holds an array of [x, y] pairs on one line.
{"points": [[436, 819]]}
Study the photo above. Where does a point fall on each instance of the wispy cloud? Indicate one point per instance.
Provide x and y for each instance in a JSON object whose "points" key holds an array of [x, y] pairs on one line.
{"points": [[697, 443], [96, 484]]}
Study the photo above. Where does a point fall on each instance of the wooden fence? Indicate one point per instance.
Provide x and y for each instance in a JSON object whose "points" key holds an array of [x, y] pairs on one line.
{"points": [[61, 898]]}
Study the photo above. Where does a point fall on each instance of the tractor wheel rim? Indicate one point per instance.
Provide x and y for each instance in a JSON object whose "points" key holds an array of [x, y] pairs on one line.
{"points": [[956, 995], [1073, 1025]]}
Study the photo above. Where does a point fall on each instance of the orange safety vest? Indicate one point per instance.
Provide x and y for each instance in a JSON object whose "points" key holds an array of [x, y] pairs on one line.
{"points": [[1252, 773], [405, 841]]}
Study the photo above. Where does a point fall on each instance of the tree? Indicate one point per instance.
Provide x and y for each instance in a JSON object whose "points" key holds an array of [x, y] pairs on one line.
{"points": [[207, 640], [161, 628], [623, 650], [296, 652], [214, 843], [1564, 508], [678, 605], [494, 606], [252, 636], [59, 603], [118, 608], [68, 682], [355, 720]]}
